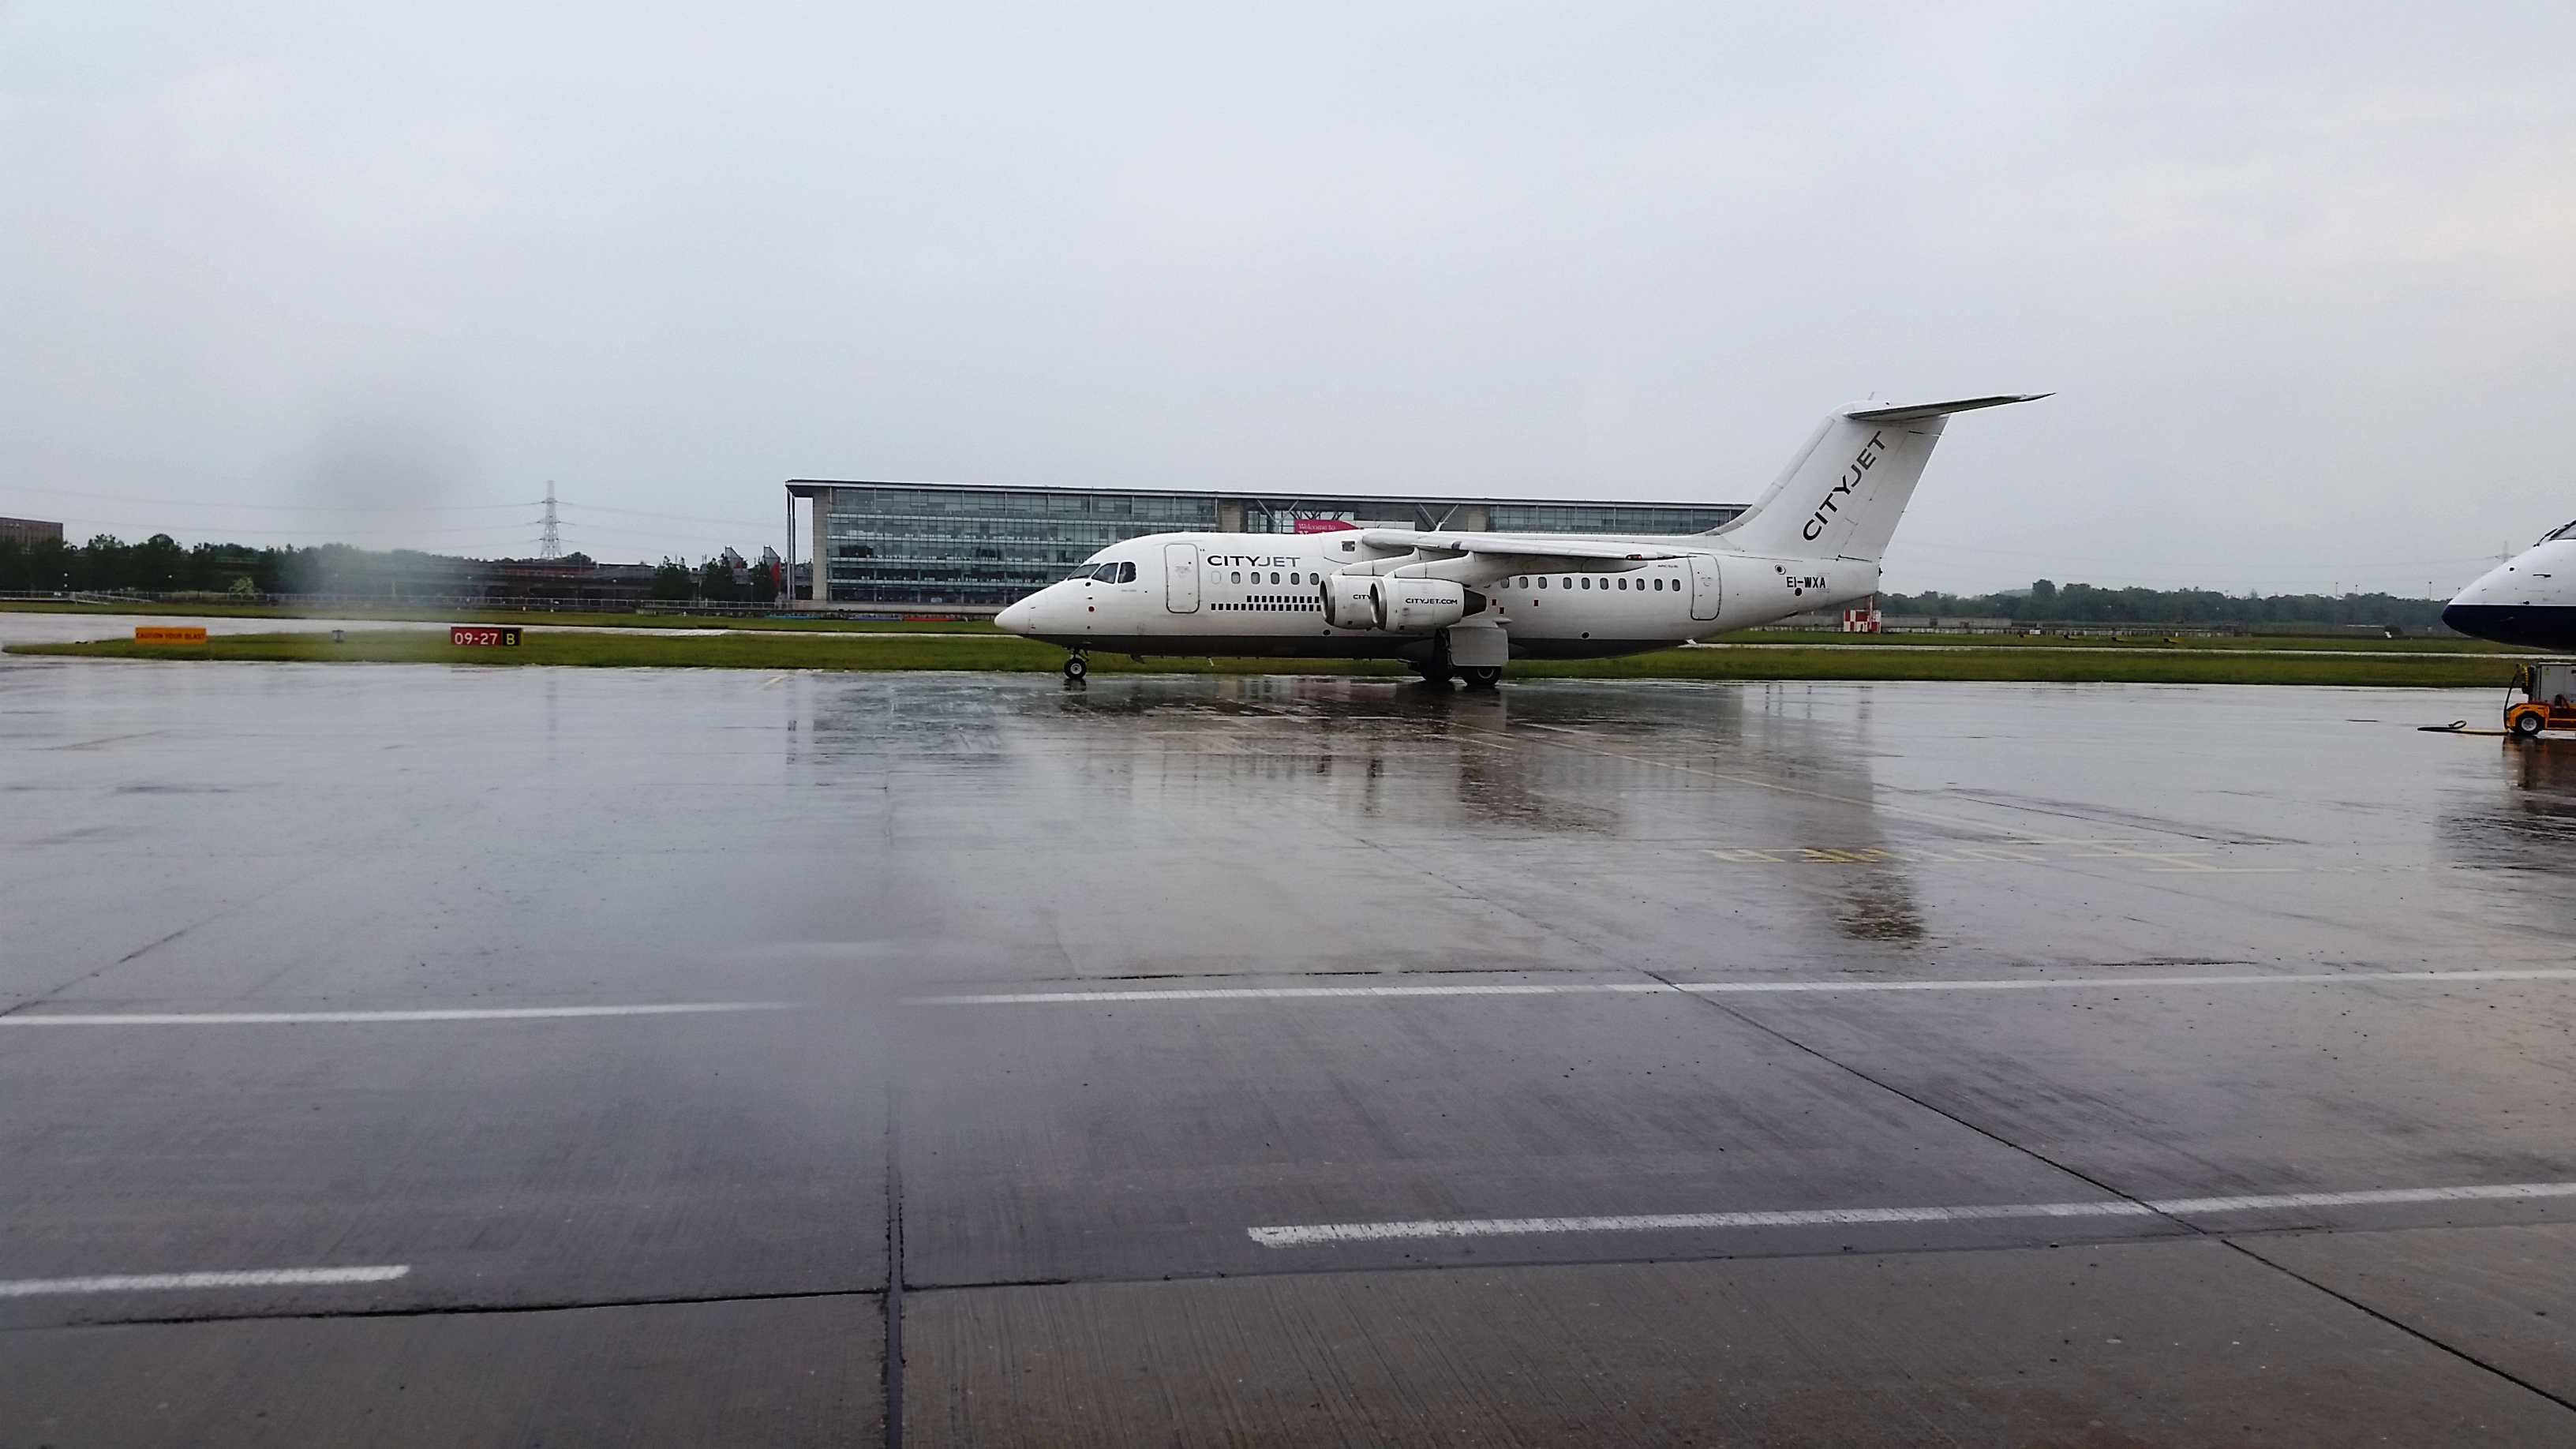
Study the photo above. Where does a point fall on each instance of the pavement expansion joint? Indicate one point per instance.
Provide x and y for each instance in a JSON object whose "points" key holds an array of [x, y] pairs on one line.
{"points": [[452, 1310], [2402, 1326]]}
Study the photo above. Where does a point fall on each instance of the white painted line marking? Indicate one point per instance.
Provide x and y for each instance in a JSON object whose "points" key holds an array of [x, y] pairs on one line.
{"points": [[1259, 993], [2286, 978], [486, 1013], [1722, 988], [1308, 1236], [162, 1282]]}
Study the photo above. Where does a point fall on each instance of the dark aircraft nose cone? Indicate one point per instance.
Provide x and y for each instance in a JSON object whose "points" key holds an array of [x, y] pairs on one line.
{"points": [[2532, 626]]}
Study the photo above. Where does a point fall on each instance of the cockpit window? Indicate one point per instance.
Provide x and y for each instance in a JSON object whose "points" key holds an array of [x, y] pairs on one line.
{"points": [[2568, 532]]}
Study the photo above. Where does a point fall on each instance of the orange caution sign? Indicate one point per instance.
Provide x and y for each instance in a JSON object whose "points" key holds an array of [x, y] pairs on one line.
{"points": [[168, 634]]}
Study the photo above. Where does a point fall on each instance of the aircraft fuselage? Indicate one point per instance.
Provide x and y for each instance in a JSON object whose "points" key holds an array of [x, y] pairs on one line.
{"points": [[1263, 594]]}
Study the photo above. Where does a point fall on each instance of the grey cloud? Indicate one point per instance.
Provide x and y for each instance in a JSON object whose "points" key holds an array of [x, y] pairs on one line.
{"points": [[2296, 271]]}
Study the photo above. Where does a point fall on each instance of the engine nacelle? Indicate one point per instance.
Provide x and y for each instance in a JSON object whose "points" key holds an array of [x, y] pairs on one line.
{"points": [[1398, 606], [1350, 601], [1418, 606]]}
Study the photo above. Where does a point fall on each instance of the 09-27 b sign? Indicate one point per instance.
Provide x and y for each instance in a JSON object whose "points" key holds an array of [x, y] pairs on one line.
{"points": [[506, 635]]}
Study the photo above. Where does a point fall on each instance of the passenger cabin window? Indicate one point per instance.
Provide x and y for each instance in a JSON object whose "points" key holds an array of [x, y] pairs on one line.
{"points": [[1238, 576], [1292, 578], [1542, 582]]}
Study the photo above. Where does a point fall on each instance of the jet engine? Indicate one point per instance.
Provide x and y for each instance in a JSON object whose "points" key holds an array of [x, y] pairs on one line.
{"points": [[1350, 601], [1418, 606]]}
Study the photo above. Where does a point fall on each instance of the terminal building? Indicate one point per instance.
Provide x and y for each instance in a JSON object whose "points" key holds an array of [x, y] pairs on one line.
{"points": [[979, 547]]}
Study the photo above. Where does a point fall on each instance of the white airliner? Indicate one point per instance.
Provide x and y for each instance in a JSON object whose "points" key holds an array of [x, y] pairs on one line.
{"points": [[2529, 599], [1462, 605]]}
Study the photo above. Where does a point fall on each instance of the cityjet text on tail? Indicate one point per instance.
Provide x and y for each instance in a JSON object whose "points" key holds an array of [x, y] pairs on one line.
{"points": [[1460, 605]]}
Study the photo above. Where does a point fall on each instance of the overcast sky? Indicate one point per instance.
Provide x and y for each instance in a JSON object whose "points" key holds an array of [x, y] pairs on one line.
{"points": [[2303, 276]]}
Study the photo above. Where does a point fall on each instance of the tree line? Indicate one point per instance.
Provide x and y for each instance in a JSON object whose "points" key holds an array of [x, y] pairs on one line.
{"points": [[162, 565], [159, 564], [2053, 603], [724, 579]]}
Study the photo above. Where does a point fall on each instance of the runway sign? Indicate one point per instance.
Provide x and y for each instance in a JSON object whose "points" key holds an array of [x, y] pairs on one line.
{"points": [[168, 634], [483, 634]]}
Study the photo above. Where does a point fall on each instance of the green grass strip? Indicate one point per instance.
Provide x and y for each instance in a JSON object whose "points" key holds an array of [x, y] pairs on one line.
{"points": [[392, 613], [778, 650]]}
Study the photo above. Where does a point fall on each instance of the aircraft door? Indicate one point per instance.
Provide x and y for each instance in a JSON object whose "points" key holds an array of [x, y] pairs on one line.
{"points": [[1704, 591], [1181, 578]]}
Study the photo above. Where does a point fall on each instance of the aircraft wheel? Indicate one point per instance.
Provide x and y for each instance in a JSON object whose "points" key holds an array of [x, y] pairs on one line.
{"points": [[1075, 667], [2526, 725], [1482, 676]]}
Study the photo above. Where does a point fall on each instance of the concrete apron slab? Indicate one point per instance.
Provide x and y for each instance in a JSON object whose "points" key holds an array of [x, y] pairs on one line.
{"points": [[2173, 1343]]}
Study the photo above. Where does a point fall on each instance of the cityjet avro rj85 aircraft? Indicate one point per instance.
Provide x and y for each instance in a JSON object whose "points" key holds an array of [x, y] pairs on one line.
{"points": [[1462, 605], [2529, 599]]}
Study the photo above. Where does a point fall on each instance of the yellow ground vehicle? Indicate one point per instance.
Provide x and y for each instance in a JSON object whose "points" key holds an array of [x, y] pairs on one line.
{"points": [[2548, 700]]}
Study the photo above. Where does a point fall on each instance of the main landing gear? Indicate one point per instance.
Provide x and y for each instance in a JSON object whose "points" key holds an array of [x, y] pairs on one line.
{"points": [[1476, 676], [1075, 669]]}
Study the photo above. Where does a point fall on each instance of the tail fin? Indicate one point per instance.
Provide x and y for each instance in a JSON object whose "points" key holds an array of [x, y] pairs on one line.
{"points": [[1841, 495]]}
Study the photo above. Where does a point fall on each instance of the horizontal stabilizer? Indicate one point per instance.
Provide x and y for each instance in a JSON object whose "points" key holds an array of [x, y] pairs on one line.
{"points": [[1919, 411]]}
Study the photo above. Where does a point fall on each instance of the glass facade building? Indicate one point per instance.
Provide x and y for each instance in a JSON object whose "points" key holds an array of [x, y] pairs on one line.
{"points": [[980, 547]]}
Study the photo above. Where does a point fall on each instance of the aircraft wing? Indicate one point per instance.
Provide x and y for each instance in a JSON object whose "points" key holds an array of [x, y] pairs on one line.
{"points": [[1478, 559], [1511, 545]]}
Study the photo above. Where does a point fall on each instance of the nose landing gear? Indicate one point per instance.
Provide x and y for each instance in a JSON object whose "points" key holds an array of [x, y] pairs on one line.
{"points": [[1075, 669]]}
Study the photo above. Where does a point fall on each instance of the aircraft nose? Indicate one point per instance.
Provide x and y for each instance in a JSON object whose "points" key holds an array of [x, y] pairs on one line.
{"points": [[1015, 619]]}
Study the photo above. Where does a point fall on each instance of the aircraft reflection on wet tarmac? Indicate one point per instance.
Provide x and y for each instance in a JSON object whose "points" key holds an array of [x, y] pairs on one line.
{"points": [[621, 1055]]}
